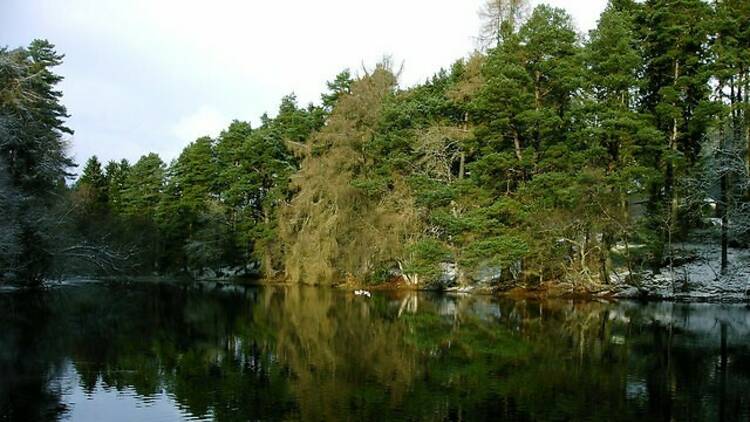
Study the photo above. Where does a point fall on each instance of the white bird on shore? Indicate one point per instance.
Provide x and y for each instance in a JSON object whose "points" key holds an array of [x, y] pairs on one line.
{"points": [[362, 293]]}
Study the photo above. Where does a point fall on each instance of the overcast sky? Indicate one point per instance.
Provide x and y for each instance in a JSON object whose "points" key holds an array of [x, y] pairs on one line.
{"points": [[152, 75]]}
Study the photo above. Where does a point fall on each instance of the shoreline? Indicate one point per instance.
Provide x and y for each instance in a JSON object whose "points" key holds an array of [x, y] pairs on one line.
{"points": [[655, 289], [547, 291]]}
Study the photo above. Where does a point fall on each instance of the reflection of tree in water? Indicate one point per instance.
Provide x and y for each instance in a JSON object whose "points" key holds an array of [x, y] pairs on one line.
{"points": [[143, 339], [306, 353], [677, 349], [346, 356], [28, 362]]}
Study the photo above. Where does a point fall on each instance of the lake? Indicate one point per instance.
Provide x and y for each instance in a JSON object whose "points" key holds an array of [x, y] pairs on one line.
{"points": [[201, 351]]}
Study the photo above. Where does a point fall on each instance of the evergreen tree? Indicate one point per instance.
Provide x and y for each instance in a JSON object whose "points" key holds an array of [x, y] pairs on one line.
{"points": [[184, 208], [93, 188], [116, 176], [145, 185], [294, 123], [675, 92], [499, 108], [620, 140], [674, 33], [33, 151], [195, 173], [141, 199], [530, 81], [341, 85], [229, 159]]}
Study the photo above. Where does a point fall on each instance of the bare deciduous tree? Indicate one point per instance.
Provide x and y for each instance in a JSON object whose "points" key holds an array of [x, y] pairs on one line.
{"points": [[500, 18]]}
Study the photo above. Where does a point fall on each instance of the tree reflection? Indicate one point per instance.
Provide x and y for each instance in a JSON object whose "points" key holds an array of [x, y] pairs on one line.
{"points": [[234, 353]]}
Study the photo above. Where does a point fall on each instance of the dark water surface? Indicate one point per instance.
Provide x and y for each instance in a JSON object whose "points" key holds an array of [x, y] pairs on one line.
{"points": [[148, 352]]}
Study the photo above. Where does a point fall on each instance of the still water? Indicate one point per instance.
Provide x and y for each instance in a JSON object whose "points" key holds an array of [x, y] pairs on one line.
{"points": [[166, 352]]}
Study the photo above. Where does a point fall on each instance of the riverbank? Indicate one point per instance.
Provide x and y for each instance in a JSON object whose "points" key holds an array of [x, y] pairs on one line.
{"points": [[697, 278], [667, 286]]}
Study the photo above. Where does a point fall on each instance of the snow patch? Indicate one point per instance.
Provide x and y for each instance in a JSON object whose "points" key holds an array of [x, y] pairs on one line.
{"points": [[699, 278]]}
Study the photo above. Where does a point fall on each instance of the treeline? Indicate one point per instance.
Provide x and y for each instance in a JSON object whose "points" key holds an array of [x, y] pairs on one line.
{"points": [[213, 207], [210, 208], [547, 156]]}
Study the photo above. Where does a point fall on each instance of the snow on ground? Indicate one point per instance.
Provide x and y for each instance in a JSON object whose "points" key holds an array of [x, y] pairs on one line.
{"points": [[699, 278]]}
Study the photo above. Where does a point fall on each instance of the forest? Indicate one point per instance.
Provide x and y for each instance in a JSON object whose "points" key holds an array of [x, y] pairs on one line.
{"points": [[545, 157]]}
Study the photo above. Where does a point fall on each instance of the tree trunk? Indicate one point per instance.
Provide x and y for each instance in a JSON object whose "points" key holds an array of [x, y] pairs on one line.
{"points": [[724, 199], [537, 104], [604, 257], [462, 162], [673, 146], [724, 223], [746, 121], [517, 145], [669, 176]]}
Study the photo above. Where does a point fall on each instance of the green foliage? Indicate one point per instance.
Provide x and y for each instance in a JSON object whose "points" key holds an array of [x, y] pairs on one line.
{"points": [[93, 187], [145, 187], [116, 176], [373, 186], [340, 86], [453, 225], [425, 257], [430, 192], [214, 206], [502, 251]]}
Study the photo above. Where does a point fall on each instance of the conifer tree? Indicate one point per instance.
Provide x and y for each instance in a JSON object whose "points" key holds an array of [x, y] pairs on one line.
{"points": [[116, 176], [93, 187], [145, 186], [621, 140], [33, 152]]}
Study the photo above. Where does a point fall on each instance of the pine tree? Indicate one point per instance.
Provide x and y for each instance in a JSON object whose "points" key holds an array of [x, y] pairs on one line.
{"points": [[530, 79], [341, 85], [145, 186], [195, 173], [675, 93], [116, 176], [33, 150], [674, 33], [620, 140], [93, 188]]}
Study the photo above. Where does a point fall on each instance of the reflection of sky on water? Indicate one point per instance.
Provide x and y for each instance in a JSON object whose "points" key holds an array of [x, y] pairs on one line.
{"points": [[106, 403]]}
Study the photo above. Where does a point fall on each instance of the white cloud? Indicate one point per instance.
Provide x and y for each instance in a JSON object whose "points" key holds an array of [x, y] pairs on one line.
{"points": [[206, 121]]}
